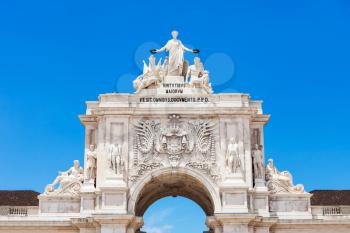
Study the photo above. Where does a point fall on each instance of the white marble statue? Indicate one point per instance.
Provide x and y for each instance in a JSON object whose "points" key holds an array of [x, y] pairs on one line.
{"points": [[233, 160], [198, 76], [279, 182], [164, 68], [258, 162], [115, 159], [90, 173], [176, 54], [195, 71], [69, 181], [151, 74]]}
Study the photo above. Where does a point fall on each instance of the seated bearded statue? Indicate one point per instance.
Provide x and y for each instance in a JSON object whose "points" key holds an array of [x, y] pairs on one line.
{"points": [[69, 182], [278, 182], [197, 76]]}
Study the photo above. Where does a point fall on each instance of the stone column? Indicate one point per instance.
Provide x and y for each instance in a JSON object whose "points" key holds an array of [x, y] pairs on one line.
{"points": [[114, 223], [88, 201], [213, 224], [135, 225], [247, 152], [85, 225], [262, 225], [260, 201], [235, 223]]}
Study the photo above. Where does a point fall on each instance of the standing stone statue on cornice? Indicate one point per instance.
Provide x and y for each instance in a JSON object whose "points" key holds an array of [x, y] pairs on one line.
{"points": [[91, 163], [258, 162], [176, 54]]}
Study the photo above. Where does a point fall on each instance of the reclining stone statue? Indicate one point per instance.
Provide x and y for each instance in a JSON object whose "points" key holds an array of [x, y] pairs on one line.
{"points": [[69, 182], [151, 75], [280, 182]]}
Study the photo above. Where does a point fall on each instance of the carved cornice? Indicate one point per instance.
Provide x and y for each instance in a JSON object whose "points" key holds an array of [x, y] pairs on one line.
{"points": [[114, 218], [234, 218], [88, 120], [261, 118]]}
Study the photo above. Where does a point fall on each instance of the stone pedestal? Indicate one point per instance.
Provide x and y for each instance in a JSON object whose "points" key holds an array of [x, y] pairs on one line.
{"points": [[113, 200], [65, 204], [260, 185], [260, 201], [234, 194], [290, 205], [88, 197], [88, 186]]}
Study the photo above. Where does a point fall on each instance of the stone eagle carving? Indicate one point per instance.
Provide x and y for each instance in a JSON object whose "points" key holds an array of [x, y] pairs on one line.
{"points": [[177, 143], [145, 132]]}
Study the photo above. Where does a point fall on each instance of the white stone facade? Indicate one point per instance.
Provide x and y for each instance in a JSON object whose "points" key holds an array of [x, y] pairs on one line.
{"points": [[175, 138]]}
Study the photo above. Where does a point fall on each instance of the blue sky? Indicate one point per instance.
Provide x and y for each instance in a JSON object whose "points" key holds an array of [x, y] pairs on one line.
{"points": [[294, 55]]}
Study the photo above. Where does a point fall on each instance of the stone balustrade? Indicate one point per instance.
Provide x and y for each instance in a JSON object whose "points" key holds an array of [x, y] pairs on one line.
{"points": [[330, 211], [18, 210]]}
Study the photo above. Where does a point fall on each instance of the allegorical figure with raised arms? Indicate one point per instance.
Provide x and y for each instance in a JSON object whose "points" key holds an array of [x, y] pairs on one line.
{"points": [[176, 54]]}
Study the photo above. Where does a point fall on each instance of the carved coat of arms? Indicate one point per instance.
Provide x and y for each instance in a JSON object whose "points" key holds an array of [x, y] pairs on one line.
{"points": [[177, 143]]}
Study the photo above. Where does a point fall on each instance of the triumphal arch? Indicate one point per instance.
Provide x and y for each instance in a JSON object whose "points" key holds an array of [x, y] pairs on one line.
{"points": [[174, 137]]}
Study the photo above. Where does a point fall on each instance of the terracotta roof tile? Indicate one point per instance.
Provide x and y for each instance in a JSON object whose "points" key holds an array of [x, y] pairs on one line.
{"points": [[330, 197], [19, 198]]}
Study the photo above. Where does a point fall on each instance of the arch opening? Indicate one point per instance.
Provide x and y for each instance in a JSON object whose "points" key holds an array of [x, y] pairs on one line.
{"points": [[174, 184], [174, 215]]}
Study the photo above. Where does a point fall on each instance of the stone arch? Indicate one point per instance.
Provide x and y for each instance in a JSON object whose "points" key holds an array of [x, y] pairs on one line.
{"points": [[165, 182]]}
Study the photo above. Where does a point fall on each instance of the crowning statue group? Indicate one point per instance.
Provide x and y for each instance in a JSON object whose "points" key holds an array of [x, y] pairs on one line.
{"points": [[174, 65]]}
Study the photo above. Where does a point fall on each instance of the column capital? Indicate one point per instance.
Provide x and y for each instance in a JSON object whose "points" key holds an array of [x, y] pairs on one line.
{"points": [[87, 222], [263, 222], [235, 218], [88, 120], [118, 219]]}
